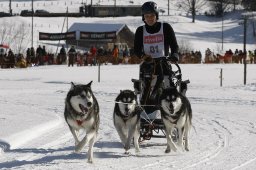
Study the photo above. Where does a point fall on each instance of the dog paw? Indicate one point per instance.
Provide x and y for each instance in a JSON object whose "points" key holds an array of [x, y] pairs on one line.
{"points": [[167, 150], [77, 142], [76, 151], [127, 153], [137, 151], [90, 161], [126, 147], [78, 148], [174, 149]]}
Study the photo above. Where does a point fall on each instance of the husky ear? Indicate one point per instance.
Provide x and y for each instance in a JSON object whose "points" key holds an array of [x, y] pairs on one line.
{"points": [[72, 85], [89, 84]]}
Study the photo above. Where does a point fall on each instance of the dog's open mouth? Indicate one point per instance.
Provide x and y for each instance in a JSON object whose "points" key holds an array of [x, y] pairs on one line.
{"points": [[83, 109]]}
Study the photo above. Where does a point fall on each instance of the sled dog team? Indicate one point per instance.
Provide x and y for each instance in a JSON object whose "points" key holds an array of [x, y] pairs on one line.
{"points": [[82, 113]]}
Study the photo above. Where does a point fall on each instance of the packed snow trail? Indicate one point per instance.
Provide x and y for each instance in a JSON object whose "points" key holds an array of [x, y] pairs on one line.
{"points": [[34, 134]]}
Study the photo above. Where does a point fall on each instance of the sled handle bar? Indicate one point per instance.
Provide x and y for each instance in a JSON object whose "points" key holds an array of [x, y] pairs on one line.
{"points": [[177, 74], [179, 70]]}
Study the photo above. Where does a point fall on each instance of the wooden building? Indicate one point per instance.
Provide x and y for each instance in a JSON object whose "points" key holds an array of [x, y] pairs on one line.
{"points": [[100, 35]]}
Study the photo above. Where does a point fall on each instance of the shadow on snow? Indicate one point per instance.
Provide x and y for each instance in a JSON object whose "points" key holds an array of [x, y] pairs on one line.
{"points": [[48, 157]]}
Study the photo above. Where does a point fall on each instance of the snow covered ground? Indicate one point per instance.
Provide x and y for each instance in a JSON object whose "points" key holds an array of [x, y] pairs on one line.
{"points": [[34, 134]]}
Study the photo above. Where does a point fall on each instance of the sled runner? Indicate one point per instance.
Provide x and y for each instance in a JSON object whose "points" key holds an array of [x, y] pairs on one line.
{"points": [[151, 124]]}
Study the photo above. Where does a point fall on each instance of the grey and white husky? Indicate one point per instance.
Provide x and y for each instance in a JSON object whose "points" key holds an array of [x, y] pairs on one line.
{"points": [[176, 114], [82, 113], [126, 118]]}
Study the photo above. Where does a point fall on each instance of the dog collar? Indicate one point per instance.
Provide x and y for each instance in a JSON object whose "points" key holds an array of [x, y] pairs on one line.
{"points": [[79, 122]]}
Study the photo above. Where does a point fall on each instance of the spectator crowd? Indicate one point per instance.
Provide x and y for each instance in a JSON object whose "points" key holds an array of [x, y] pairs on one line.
{"points": [[95, 56]]}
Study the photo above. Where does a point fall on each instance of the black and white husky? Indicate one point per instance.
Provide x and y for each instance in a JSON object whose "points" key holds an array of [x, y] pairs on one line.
{"points": [[127, 119], [82, 112], [176, 114]]}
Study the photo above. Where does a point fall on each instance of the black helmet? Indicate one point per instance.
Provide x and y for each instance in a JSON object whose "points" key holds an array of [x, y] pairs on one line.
{"points": [[149, 7]]}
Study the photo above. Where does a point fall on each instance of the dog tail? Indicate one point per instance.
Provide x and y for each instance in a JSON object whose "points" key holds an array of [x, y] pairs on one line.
{"points": [[194, 129], [189, 112], [189, 121], [189, 115]]}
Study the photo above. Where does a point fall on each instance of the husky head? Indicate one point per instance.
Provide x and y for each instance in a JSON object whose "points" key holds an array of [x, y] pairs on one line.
{"points": [[126, 102], [80, 99], [170, 101]]}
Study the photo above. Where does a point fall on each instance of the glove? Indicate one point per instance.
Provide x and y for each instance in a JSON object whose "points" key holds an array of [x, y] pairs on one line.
{"points": [[173, 57], [147, 58]]}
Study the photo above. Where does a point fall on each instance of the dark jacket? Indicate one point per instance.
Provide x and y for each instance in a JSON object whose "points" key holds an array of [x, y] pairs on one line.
{"points": [[72, 50], [169, 38], [63, 51]]}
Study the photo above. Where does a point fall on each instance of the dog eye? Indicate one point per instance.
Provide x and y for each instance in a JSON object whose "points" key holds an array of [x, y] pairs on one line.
{"points": [[173, 97], [89, 94], [168, 98], [82, 95]]}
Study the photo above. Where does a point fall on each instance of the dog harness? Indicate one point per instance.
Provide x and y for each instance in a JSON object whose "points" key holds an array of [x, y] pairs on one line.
{"points": [[79, 122]]}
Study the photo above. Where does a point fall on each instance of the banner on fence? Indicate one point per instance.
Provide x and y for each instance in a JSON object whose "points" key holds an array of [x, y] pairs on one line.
{"points": [[57, 36], [98, 35]]}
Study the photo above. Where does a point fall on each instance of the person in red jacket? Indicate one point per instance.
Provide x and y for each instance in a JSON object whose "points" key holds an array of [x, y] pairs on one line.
{"points": [[115, 53], [93, 52]]}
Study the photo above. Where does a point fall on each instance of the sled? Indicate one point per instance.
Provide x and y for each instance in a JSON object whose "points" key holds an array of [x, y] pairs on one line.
{"points": [[151, 124]]}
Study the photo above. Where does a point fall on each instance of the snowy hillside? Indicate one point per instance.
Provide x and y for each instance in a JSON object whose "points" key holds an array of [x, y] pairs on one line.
{"points": [[73, 5]]}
